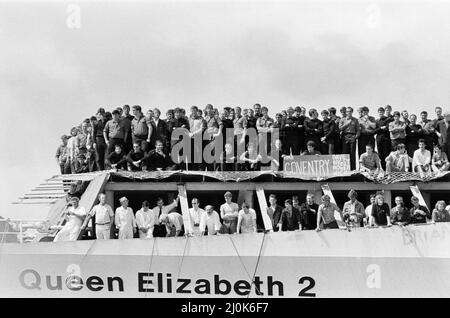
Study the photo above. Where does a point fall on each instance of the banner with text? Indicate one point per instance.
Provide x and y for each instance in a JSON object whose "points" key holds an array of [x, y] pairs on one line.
{"points": [[316, 166]]}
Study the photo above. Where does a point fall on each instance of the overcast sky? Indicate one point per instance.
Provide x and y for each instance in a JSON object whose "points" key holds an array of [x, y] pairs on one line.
{"points": [[167, 54]]}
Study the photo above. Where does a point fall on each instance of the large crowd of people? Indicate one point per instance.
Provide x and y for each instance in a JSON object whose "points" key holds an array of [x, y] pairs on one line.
{"points": [[393, 142], [230, 218]]}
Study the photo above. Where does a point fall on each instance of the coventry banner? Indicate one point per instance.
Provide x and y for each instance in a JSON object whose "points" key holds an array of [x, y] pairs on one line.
{"points": [[316, 166]]}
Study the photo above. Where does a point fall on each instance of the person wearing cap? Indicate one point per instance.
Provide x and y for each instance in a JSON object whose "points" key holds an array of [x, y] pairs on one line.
{"points": [[104, 218], [173, 222], [291, 219], [115, 132], [368, 127], [75, 215], [145, 221], [325, 214], [62, 156], [383, 138], [350, 129], [229, 213], [353, 210], [125, 220], [397, 129]]}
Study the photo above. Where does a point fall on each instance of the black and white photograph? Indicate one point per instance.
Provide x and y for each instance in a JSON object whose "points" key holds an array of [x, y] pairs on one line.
{"points": [[211, 151]]}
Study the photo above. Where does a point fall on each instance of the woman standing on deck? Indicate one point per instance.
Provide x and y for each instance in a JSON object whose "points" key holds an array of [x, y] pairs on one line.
{"points": [[75, 217]]}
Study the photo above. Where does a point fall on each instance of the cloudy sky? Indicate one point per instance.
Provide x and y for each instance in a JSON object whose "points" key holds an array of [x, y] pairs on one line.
{"points": [[180, 53]]}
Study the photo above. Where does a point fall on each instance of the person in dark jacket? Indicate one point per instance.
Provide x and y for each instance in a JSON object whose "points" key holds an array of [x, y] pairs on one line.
{"points": [[419, 213], [308, 211], [313, 127], [116, 159], [383, 138], [330, 134]]}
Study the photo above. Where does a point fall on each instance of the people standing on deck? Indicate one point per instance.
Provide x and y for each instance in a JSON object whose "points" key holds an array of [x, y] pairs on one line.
{"points": [[368, 128], [383, 138], [104, 218], [62, 156], [210, 221], [195, 214], [350, 129], [229, 213], [125, 220], [246, 220], [274, 211], [291, 219], [353, 210], [309, 211], [74, 219], [161, 209], [145, 221], [115, 132], [325, 215]]}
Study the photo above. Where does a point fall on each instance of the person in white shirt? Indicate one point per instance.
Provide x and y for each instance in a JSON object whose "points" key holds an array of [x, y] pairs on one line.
{"points": [[173, 222], [160, 209], [145, 221], [246, 220], [125, 220], [194, 214], [229, 214], [422, 159], [104, 218], [75, 217], [368, 209], [210, 219]]}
